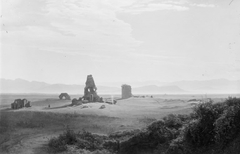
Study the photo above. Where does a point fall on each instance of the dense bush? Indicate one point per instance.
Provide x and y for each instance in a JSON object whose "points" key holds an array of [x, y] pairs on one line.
{"points": [[60, 143], [57, 145], [89, 141], [215, 124], [172, 121], [159, 132], [112, 145], [139, 143], [177, 146], [81, 140], [148, 140], [200, 132], [208, 111], [232, 101], [227, 126]]}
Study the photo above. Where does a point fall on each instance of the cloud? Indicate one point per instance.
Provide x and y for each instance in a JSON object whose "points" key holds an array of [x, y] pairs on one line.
{"points": [[69, 25], [154, 56], [72, 26], [150, 7], [141, 6], [204, 5], [189, 3]]}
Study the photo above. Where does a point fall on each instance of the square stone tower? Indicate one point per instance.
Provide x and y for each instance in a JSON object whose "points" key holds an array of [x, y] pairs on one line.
{"points": [[126, 91]]}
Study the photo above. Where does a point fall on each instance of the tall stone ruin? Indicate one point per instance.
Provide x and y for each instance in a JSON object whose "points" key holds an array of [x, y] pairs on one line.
{"points": [[126, 91], [90, 90]]}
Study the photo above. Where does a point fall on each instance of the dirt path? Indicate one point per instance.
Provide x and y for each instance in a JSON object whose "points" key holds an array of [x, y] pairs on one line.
{"points": [[32, 143]]}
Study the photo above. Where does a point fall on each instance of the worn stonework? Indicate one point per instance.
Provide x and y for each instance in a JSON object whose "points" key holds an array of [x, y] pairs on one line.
{"points": [[64, 95], [126, 91], [28, 104], [90, 90], [77, 102], [20, 103]]}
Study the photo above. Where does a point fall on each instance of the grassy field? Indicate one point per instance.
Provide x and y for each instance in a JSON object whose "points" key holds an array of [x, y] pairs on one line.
{"points": [[28, 130]]}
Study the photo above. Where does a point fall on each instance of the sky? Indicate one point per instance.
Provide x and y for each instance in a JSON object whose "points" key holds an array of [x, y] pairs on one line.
{"points": [[62, 41]]}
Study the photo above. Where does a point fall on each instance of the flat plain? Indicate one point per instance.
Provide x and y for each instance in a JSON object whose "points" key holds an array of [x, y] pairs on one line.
{"points": [[28, 130]]}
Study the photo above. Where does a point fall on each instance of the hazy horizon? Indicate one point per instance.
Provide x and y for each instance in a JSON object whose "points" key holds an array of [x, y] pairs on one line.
{"points": [[217, 86], [82, 82], [120, 40]]}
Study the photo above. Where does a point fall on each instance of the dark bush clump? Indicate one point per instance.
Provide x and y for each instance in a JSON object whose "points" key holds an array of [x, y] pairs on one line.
{"points": [[57, 145], [201, 131], [81, 140], [227, 126], [172, 121], [89, 141], [60, 143], [148, 140]]}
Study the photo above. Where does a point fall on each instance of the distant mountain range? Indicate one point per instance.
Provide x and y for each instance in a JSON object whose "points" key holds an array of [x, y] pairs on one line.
{"points": [[24, 86], [153, 89], [208, 86]]}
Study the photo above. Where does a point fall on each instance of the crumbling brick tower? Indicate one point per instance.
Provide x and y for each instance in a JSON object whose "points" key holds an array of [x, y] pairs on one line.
{"points": [[90, 90], [126, 91]]}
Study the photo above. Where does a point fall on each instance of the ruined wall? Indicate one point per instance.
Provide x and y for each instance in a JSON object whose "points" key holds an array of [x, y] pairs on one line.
{"points": [[20, 103], [126, 91], [90, 90], [64, 95]]}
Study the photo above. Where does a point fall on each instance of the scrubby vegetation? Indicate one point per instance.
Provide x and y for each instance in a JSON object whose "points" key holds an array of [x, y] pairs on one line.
{"points": [[81, 140], [18, 125], [212, 128]]}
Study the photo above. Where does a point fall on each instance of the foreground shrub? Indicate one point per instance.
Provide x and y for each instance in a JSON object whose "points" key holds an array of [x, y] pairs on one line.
{"points": [[177, 147], [201, 131], [227, 126], [147, 141], [159, 132], [60, 143], [89, 141], [112, 145], [172, 121], [57, 145], [208, 111], [81, 140], [232, 101]]}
